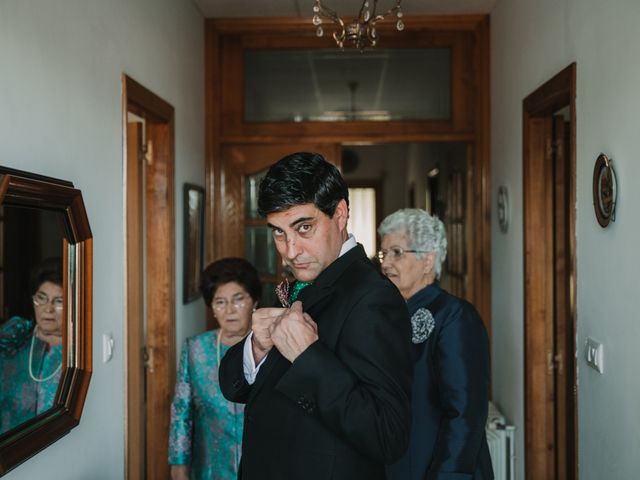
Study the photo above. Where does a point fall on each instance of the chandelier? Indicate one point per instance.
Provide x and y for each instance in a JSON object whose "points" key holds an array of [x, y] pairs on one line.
{"points": [[361, 32]]}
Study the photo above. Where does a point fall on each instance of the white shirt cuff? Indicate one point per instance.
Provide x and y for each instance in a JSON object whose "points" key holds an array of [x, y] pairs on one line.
{"points": [[249, 365]]}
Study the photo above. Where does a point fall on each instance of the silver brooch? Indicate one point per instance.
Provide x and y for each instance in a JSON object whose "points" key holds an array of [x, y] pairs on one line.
{"points": [[422, 324]]}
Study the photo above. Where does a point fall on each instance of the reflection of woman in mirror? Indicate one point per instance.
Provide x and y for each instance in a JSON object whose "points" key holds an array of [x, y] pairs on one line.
{"points": [[206, 429], [31, 352]]}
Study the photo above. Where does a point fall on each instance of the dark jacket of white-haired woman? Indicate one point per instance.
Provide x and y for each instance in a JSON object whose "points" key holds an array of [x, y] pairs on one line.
{"points": [[450, 387]]}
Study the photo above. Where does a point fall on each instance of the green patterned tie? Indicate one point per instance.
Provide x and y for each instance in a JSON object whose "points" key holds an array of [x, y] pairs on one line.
{"points": [[295, 291]]}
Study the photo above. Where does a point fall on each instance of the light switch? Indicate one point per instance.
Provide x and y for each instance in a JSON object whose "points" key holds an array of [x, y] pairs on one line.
{"points": [[594, 355], [107, 347]]}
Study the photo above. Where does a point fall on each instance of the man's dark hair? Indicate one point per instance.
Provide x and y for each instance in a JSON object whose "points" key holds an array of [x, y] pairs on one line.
{"points": [[227, 270], [301, 178]]}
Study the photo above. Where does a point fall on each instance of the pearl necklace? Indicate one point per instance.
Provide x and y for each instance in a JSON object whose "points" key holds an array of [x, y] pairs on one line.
{"points": [[33, 377]]}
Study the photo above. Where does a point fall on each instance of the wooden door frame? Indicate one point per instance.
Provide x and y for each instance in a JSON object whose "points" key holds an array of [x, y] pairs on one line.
{"points": [[540, 424], [471, 126], [157, 275]]}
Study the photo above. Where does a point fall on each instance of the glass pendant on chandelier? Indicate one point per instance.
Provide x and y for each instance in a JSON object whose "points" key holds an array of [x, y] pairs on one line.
{"points": [[361, 32]]}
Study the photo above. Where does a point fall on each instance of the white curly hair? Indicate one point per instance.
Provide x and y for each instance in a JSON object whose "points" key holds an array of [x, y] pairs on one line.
{"points": [[423, 231]]}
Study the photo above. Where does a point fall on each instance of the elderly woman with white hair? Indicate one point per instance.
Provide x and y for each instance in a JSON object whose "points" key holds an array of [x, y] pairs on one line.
{"points": [[451, 376]]}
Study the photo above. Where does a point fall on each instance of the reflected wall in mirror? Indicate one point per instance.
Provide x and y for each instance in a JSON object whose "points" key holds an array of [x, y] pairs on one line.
{"points": [[27, 236], [45, 306]]}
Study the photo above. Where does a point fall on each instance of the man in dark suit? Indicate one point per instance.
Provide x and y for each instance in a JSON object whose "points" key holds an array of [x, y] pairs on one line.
{"points": [[326, 380]]}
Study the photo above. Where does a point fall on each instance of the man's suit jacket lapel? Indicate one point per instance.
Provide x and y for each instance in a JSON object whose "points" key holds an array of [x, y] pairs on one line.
{"points": [[327, 288], [329, 278]]}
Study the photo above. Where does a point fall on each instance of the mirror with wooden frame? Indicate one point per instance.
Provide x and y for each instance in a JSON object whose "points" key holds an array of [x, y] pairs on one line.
{"points": [[45, 312]]}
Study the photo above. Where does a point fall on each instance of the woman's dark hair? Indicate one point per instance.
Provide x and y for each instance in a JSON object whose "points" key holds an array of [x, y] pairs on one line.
{"points": [[301, 178], [228, 270], [49, 270]]}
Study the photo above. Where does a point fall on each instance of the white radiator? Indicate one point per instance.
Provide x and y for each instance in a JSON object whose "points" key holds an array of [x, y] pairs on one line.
{"points": [[500, 438]]}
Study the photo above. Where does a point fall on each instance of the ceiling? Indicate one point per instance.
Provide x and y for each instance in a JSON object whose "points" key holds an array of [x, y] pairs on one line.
{"points": [[302, 8]]}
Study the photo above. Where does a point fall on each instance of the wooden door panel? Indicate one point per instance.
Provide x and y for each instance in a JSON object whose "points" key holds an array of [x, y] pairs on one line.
{"points": [[547, 231], [252, 158], [150, 282], [135, 303], [550, 267], [232, 228], [563, 321], [160, 293], [539, 398], [561, 291]]}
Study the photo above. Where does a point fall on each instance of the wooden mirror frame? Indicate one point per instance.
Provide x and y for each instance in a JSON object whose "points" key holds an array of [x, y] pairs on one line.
{"points": [[18, 188]]}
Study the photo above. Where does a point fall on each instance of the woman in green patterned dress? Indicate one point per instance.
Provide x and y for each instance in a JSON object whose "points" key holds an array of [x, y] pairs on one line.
{"points": [[206, 429], [31, 351]]}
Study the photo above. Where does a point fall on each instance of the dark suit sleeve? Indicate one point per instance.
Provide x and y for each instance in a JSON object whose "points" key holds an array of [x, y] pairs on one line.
{"points": [[362, 393], [461, 363], [233, 384]]}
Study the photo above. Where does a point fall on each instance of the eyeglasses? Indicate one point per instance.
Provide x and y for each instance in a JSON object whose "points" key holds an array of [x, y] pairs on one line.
{"points": [[395, 253], [220, 304], [41, 299]]}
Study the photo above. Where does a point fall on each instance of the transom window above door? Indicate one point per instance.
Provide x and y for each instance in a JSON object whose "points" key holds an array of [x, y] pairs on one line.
{"points": [[329, 85]]}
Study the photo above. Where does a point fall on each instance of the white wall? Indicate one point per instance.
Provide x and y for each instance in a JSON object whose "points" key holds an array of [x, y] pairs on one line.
{"points": [[61, 115], [531, 42]]}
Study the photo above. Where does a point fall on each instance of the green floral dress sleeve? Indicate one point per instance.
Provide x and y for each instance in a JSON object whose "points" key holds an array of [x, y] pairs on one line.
{"points": [[181, 427], [14, 333]]}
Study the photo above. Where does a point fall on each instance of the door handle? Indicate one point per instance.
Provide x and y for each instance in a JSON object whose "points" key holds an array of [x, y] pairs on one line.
{"points": [[148, 358]]}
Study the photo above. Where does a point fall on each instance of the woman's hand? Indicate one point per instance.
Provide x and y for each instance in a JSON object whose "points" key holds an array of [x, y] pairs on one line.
{"points": [[52, 339], [179, 472]]}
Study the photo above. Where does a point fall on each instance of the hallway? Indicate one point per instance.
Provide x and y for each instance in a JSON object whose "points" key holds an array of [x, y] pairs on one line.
{"points": [[62, 115]]}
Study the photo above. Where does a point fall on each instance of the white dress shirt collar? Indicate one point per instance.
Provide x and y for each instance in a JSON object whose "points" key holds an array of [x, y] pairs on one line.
{"points": [[348, 244]]}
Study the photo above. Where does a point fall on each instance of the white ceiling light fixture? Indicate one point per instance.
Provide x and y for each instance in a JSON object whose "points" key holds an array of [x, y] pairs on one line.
{"points": [[361, 32]]}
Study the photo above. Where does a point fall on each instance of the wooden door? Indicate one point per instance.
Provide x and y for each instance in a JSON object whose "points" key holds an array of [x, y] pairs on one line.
{"points": [[135, 412], [564, 346], [236, 220], [457, 269], [549, 228], [467, 40], [150, 281]]}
